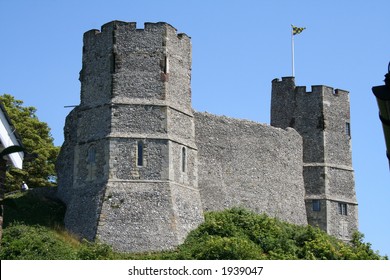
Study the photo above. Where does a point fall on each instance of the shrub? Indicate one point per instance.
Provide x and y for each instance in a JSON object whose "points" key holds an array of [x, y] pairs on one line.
{"points": [[95, 251], [240, 234], [22, 242], [222, 248]]}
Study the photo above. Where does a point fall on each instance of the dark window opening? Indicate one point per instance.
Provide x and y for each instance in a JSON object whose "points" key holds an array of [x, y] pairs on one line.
{"points": [[183, 159], [140, 153], [348, 129], [321, 122], [113, 62], [316, 205], [91, 156], [166, 65], [343, 209]]}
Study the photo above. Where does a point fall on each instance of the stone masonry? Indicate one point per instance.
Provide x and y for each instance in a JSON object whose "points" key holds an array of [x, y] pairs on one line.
{"points": [[322, 117], [139, 167]]}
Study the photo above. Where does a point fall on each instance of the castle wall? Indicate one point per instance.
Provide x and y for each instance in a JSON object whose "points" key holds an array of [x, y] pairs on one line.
{"points": [[65, 159], [188, 176], [97, 66], [181, 127], [308, 120], [342, 226], [177, 71], [138, 56], [82, 166], [142, 209], [337, 127], [243, 163], [123, 163], [156, 120]]}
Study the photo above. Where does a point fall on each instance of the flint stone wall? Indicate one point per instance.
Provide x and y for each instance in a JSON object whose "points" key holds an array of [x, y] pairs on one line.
{"points": [[147, 216], [256, 166]]}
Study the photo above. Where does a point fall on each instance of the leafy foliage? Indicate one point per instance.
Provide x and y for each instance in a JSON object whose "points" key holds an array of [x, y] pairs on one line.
{"points": [[33, 230], [240, 234], [37, 140], [22, 242]]}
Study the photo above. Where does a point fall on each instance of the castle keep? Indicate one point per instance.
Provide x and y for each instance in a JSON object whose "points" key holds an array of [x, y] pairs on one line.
{"points": [[139, 166]]}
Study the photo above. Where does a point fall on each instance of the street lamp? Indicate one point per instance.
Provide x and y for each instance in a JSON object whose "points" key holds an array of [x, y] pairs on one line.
{"points": [[382, 94]]}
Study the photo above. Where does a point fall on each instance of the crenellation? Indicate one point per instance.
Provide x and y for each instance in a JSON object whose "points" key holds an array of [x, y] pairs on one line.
{"points": [[284, 85], [321, 89], [114, 25], [340, 91], [301, 90], [91, 34]]}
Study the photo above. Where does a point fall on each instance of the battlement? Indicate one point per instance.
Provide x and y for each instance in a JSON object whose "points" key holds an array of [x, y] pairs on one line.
{"points": [[288, 83], [284, 80], [132, 27], [320, 89]]}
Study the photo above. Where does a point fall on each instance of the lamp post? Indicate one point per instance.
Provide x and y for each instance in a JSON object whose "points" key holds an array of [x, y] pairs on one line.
{"points": [[382, 94]]}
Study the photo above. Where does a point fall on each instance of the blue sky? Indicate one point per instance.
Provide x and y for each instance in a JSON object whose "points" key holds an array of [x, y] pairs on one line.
{"points": [[238, 48]]}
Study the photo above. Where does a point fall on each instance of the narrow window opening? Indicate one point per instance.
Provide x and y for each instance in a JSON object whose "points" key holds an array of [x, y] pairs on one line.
{"points": [[166, 65], [316, 205], [348, 129], [343, 209], [140, 153], [113, 62], [183, 159], [91, 156]]}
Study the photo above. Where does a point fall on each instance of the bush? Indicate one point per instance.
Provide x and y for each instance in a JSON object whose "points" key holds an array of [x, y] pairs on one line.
{"points": [[22, 242], [221, 248], [95, 251], [240, 234]]}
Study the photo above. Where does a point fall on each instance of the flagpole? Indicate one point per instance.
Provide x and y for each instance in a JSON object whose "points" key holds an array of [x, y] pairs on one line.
{"points": [[294, 31], [292, 52]]}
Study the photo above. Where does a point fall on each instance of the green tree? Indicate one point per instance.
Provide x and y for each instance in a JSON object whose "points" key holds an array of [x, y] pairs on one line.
{"points": [[38, 170]]}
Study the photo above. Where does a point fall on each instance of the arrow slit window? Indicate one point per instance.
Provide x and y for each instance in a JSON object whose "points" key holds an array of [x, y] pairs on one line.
{"points": [[140, 153]]}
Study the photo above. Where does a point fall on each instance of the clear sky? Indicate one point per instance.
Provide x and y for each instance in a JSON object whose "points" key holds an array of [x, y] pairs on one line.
{"points": [[238, 48]]}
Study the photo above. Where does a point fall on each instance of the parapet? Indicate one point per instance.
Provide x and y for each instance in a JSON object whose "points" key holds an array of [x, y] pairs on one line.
{"points": [[132, 27], [288, 83], [284, 86], [284, 80], [320, 89]]}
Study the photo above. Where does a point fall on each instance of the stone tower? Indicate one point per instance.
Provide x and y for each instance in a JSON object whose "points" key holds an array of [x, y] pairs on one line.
{"points": [[128, 166], [322, 117]]}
